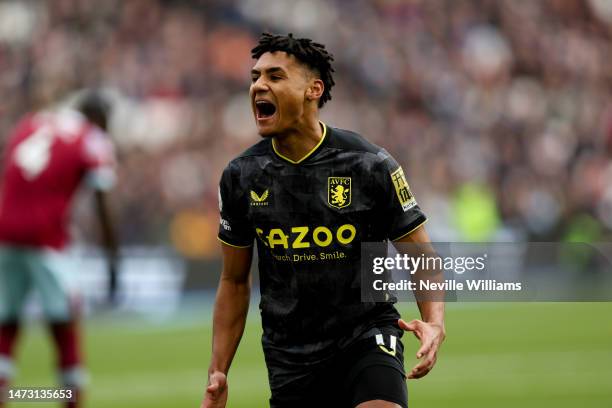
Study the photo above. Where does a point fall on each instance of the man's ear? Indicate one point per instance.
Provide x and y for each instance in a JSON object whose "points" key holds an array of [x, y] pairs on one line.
{"points": [[315, 90]]}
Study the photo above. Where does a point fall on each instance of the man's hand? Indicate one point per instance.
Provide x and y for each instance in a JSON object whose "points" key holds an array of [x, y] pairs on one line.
{"points": [[216, 391], [431, 336]]}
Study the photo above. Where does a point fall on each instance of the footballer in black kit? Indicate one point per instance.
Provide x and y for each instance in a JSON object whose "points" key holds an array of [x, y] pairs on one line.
{"points": [[309, 196]]}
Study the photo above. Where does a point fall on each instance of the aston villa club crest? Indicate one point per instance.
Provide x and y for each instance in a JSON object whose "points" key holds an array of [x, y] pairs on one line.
{"points": [[339, 191]]}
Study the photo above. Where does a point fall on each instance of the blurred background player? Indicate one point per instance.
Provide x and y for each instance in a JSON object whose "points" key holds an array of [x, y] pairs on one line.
{"points": [[47, 157]]}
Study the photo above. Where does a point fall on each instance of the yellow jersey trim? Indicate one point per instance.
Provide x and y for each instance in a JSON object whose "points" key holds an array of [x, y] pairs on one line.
{"points": [[232, 245], [411, 231], [307, 154]]}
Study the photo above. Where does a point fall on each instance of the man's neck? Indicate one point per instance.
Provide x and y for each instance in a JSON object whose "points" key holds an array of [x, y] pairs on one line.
{"points": [[298, 143]]}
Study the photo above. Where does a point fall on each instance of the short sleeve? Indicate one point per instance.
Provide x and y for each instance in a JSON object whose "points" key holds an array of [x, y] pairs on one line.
{"points": [[99, 159], [401, 213], [234, 227]]}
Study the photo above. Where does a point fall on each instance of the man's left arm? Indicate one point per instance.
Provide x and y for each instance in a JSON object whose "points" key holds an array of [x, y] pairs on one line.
{"points": [[109, 242], [100, 163], [430, 329]]}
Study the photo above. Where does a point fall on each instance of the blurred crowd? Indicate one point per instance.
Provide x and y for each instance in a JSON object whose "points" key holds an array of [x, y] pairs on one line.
{"points": [[500, 111]]}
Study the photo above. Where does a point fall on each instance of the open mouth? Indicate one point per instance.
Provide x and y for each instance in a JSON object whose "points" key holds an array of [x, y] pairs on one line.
{"points": [[264, 109]]}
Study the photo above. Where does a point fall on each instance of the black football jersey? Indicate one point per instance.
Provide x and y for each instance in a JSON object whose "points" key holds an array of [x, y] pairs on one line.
{"points": [[309, 219]]}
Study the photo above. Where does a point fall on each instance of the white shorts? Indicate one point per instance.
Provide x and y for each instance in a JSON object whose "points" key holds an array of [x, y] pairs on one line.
{"points": [[46, 272]]}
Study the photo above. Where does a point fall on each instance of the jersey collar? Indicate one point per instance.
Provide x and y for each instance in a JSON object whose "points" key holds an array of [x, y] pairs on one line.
{"points": [[307, 155]]}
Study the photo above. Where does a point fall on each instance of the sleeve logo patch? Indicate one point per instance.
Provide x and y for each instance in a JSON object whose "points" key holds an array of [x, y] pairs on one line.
{"points": [[402, 189], [339, 191]]}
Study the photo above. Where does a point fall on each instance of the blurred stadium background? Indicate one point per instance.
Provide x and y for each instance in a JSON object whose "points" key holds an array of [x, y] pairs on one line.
{"points": [[500, 112]]}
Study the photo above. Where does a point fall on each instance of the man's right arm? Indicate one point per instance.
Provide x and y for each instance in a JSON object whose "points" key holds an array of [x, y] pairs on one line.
{"points": [[231, 307]]}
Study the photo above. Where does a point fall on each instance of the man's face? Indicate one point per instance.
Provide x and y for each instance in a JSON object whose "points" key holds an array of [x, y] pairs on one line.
{"points": [[279, 83]]}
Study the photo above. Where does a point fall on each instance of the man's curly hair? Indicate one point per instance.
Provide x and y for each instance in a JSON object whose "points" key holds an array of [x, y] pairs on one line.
{"points": [[310, 53]]}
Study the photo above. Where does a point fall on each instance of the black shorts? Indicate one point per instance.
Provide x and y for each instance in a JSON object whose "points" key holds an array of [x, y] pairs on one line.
{"points": [[370, 369]]}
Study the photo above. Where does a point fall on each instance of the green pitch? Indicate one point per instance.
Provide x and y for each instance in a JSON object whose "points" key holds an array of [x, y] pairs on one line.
{"points": [[496, 355]]}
